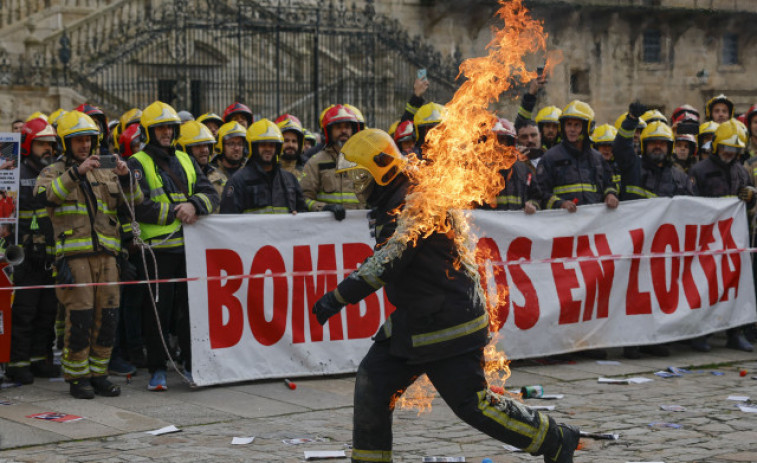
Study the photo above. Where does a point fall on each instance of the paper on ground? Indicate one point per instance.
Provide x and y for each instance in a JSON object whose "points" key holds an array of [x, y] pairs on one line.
{"points": [[551, 396], [634, 380], [443, 459], [511, 448], [738, 398], [547, 408], [242, 440], [323, 454], [166, 430], [608, 362], [747, 409]]}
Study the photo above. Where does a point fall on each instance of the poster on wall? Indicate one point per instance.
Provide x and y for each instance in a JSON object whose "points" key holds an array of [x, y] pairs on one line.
{"points": [[10, 149]]}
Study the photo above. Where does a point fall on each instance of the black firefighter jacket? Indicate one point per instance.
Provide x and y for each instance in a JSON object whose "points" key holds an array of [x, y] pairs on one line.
{"points": [[253, 190]]}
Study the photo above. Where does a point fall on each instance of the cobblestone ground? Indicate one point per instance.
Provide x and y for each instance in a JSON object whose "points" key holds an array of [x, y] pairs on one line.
{"points": [[711, 428]]}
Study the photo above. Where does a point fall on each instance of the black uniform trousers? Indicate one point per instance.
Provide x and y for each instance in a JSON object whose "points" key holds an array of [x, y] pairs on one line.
{"points": [[172, 306], [33, 319], [460, 380]]}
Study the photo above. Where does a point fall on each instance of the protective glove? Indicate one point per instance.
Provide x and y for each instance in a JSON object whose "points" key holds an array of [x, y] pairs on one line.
{"points": [[326, 307], [337, 209], [746, 193], [63, 272], [636, 109], [128, 270]]}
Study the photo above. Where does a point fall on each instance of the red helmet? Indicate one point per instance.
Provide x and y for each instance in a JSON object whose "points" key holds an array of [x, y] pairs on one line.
{"points": [[36, 129], [683, 117], [289, 123], [504, 128], [742, 118], [287, 116], [336, 114], [240, 108], [404, 132], [97, 115], [687, 110], [748, 117], [127, 138]]}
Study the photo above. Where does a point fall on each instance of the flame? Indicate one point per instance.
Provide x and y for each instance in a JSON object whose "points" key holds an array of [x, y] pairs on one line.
{"points": [[461, 168]]}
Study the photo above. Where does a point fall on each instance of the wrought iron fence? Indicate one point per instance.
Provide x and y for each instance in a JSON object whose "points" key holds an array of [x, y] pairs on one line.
{"points": [[275, 56]]}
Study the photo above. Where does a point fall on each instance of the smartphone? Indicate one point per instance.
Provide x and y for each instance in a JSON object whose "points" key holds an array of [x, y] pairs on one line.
{"points": [[422, 75], [108, 161]]}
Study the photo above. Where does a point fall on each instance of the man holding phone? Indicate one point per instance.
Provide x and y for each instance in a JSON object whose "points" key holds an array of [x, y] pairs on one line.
{"points": [[82, 199]]}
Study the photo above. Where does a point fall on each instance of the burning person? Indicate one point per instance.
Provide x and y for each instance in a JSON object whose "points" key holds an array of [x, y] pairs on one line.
{"points": [[440, 326]]}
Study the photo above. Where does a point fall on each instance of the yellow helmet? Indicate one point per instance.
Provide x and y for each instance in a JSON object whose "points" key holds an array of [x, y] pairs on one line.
{"points": [[227, 131], [74, 124], [717, 99], [35, 115], [358, 114], [194, 133], [577, 109], [653, 115], [657, 130], [743, 132], [728, 134], [604, 134], [114, 134], [55, 115], [210, 117], [130, 117], [427, 115], [262, 131], [372, 150], [619, 121], [548, 114], [159, 114], [393, 127]]}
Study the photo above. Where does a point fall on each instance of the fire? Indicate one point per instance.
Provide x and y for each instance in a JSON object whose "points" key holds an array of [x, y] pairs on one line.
{"points": [[461, 167]]}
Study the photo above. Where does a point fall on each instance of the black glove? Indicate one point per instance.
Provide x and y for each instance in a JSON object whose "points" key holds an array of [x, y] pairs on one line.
{"points": [[636, 109], [63, 272], [128, 270], [337, 209], [326, 307], [746, 193]]}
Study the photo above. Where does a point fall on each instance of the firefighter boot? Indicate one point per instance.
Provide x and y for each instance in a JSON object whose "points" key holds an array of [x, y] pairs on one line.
{"points": [[45, 369], [21, 375], [105, 388], [81, 388]]}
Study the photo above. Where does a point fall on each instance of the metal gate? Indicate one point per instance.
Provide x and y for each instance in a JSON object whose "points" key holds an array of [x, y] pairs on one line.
{"points": [[274, 56]]}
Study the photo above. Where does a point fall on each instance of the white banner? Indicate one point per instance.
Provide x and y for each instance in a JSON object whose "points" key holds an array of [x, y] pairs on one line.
{"points": [[261, 327]]}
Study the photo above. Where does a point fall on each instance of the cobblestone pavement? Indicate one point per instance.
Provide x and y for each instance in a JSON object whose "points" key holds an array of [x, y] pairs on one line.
{"points": [[712, 428]]}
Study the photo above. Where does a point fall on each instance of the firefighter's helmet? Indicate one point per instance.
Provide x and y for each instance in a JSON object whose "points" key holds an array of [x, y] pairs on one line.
{"points": [[194, 133], [393, 128], [641, 125], [358, 114], [35, 115], [730, 134], [657, 130], [504, 128], [685, 113], [127, 139], [210, 117], [405, 132], [653, 115], [427, 116], [55, 115], [130, 117], [581, 111], [74, 124], [290, 123], [310, 136], [604, 134], [337, 114], [375, 151], [263, 131], [691, 140], [158, 114], [228, 131], [548, 114], [714, 100], [238, 108], [36, 130]]}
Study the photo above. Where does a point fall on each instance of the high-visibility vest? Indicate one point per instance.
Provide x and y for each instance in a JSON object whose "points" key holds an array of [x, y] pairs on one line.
{"points": [[159, 195]]}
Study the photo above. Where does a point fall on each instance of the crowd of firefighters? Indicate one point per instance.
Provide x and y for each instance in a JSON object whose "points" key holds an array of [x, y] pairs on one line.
{"points": [[86, 216]]}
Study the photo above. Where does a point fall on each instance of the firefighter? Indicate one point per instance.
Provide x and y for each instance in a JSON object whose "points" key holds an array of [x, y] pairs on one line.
{"points": [[230, 149], [212, 121], [521, 190], [722, 175], [404, 137], [99, 117], [440, 325], [751, 125], [684, 152], [718, 109], [197, 140], [34, 310], [82, 201], [529, 143], [602, 137], [548, 122], [262, 186], [310, 141], [653, 115], [176, 193], [704, 138], [239, 113], [572, 173], [324, 189], [685, 115], [294, 143], [426, 118]]}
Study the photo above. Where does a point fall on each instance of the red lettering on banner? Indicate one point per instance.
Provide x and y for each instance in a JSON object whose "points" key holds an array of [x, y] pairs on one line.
{"points": [[565, 281], [637, 303], [365, 325], [265, 332], [598, 275], [488, 251], [527, 315], [665, 237], [220, 295], [708, 261], [690, 289], [730, 275], [308, 288]]}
